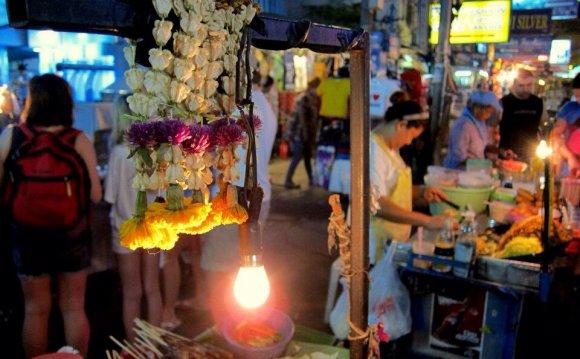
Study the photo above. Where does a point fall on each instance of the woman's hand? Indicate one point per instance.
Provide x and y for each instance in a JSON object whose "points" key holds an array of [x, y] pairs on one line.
{"points": [[433, 194]]}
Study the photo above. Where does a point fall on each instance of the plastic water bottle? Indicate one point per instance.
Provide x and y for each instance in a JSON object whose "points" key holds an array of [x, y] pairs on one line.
{"points": [[465, 245]]}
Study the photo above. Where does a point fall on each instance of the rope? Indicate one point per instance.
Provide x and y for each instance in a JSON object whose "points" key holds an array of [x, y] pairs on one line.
{"points": [[339, 236]]}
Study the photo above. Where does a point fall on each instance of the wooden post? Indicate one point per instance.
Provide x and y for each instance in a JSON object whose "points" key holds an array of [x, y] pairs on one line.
{"points": [[359, 190], [439, 80]]}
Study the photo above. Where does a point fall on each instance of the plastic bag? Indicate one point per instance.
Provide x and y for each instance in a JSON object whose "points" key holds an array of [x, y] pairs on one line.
{"points": [[389, 301]]}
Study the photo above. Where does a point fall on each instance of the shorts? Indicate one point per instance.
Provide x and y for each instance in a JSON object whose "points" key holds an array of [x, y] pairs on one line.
{"points": [[41, 252], [116, 242]]}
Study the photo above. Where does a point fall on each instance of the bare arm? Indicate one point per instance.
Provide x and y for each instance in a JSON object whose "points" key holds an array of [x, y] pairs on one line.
{"points": [[85, 148], [392, 212]]}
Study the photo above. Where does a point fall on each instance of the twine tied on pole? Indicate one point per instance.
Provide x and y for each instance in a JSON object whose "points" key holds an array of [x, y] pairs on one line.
{"points": [[339, 236]]}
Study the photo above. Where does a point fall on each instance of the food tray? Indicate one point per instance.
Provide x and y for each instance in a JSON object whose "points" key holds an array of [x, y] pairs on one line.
{"points": [[510, 272]]}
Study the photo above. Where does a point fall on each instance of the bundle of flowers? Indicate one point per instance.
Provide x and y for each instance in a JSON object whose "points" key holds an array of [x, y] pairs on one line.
{"points": [[187, 85]]}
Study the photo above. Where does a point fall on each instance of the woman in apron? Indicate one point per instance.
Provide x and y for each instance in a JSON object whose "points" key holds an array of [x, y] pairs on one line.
{"points": [[391, 178]]}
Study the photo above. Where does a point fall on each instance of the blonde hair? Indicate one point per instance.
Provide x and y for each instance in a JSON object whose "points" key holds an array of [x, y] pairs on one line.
{"points": [[121, 122]]}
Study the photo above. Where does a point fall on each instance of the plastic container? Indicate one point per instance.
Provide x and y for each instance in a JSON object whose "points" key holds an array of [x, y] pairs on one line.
{"points": [[499, 211], [476, 197], [273, 318]]}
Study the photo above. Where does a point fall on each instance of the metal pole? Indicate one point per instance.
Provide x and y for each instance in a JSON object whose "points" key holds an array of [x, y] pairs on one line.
{"points": [[440, 73], [359, 190]]}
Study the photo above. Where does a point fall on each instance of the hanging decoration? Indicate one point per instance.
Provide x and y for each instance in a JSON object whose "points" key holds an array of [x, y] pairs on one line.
{"points": [[184, 121]]}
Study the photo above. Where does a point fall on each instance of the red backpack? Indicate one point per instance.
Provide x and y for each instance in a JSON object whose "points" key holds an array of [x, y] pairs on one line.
{"points": [[46, 182]]}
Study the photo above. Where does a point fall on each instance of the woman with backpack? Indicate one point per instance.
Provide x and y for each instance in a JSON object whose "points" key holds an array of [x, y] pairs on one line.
{"points": [[49, 178]]}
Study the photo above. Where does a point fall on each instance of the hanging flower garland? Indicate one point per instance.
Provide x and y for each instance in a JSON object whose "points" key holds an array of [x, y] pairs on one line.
{"points": [[190, 84], [228, 136]]}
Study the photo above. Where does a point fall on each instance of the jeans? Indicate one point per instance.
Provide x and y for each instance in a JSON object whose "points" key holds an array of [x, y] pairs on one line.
{"points": [[300, 150]]}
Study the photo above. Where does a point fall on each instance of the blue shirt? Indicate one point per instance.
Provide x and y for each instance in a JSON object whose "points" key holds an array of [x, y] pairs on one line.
{"points": [[570, 112], [467, 139]]}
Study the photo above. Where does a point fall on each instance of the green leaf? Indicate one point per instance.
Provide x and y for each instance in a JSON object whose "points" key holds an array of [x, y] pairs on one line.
{"points": [[145, 156]]}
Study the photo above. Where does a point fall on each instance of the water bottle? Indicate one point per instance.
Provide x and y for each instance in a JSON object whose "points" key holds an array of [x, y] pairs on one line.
{"points": [[465, 245]]}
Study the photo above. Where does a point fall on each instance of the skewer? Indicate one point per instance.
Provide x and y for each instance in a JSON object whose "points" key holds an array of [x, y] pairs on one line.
{"points": [[147, 344], [108, 354], [124, 347], [136, 349]]}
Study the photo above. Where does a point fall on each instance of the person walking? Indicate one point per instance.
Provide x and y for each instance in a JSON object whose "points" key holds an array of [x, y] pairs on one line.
{"points": [[301, 132], [49, 213]]}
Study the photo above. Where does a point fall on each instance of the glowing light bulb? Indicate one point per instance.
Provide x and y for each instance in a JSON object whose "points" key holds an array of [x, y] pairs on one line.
{"points": [[543, 151], [251, 287]]}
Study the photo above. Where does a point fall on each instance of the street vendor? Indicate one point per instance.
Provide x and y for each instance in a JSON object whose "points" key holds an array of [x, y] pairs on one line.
{"points": [[469, 135], [391, 179]]}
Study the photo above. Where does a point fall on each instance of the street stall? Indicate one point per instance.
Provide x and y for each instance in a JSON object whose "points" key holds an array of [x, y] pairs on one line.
{"points": [[469, 301], [164, 99]]}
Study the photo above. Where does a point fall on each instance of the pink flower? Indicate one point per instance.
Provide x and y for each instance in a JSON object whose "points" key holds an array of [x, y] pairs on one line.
{"points": [[199, 140]]}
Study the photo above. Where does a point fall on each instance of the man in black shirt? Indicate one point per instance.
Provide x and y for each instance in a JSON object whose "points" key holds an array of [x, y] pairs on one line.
{"points": [[522, 114]]}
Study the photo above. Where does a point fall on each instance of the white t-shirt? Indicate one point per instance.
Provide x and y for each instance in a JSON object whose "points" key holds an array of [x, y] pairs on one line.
{"points": [[381, 90], [119, 191], [382, 169], [264, 143]]}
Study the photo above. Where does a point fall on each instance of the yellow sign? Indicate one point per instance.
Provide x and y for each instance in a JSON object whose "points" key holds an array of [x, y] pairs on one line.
{"points": [[477, 21]]}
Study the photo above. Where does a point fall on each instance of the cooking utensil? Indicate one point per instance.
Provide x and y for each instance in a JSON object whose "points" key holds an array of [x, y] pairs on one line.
{"points": [[451, 204]]}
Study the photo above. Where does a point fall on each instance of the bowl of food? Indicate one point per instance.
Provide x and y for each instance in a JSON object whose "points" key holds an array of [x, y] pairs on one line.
{"points": [[476, 198], [262, 335]]}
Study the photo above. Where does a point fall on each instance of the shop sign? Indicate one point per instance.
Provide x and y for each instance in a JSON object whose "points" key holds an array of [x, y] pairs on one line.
{"points": [[524, 46], [477, 21], [529, 22], [560, 52], [561, 9]]}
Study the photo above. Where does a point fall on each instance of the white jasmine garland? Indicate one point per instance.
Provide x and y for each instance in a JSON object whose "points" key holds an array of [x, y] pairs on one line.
{"points": [[134, 78], [162, 7], [197, 81], [210, 88], [160, 59], [138, 103], [178, 7], [190, 23], [130, 52], [157, 83], [214, 69], [194, 102], [183, 69], [162, 32], [184, 45], [157, 181], [178, 91], [230, 61]]}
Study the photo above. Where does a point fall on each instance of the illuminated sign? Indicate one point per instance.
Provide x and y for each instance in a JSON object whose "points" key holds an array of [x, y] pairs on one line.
{"points": [[560, 52], [477, 21]]}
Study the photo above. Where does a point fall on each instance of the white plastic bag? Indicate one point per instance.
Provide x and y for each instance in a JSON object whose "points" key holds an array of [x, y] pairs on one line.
{"points": [[389, 301]]}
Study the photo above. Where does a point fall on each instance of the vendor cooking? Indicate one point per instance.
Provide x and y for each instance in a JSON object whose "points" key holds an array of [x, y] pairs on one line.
{"points": [[390, 176], [469, 135]]}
